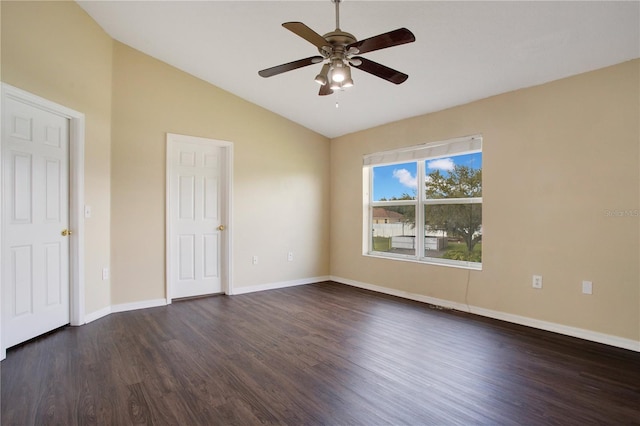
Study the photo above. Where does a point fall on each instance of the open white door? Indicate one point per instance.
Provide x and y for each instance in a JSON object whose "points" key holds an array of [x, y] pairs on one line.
{"points": [[35, 252], [197, 216], [42, 233]]}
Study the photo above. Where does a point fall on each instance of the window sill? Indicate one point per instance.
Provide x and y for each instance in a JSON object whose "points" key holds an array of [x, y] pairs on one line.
{"points": [[474, 266]]}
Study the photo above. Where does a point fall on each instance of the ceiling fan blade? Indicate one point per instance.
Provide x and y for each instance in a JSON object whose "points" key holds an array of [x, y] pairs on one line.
{"points": [[382, 41], [325, 90], [306, 33], [289, 66], [381, 71]]}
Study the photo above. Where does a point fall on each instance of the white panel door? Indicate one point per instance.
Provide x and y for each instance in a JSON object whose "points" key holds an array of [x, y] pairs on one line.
{"points": [[35, 205], [195, 181]]}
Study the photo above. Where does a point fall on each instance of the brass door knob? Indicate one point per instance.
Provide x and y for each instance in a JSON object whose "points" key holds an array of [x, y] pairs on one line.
{"points": [[221, 228], [66, 232]]}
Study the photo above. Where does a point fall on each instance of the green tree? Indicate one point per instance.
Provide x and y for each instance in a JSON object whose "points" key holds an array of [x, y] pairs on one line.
{"points": [[458, 220]]}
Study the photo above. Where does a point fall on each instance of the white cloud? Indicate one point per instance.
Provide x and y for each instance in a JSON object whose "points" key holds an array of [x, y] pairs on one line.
{"points": [[441, 164], [405, 178]]}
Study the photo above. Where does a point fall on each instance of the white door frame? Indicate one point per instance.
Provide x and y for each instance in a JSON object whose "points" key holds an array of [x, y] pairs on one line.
{"points": [[76, 198], [227, 208]]}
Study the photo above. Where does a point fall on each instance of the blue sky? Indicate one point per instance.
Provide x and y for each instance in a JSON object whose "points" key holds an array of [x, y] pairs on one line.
{"points": [[396, 179]]}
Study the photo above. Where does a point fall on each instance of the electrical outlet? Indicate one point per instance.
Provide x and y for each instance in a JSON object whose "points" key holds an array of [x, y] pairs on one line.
{"points": [[254, 260], [290, 256], [537, 281], [105, 274], [587, 287], [87, 211]]}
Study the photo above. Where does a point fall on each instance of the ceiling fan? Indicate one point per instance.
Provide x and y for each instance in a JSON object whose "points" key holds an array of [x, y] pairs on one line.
{"points": [[339, 50]]}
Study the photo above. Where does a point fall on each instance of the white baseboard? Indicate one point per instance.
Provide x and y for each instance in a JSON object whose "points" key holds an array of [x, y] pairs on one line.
{"points": [[580, 333], [123, 308], [143, 304], [97, 315], [281, 284]]}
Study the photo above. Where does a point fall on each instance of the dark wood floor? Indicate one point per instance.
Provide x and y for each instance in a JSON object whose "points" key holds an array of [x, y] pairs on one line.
{"points": [[317, 354]]}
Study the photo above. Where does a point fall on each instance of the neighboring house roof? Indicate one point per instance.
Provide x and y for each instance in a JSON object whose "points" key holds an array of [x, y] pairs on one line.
{"points": [[382, 213]]}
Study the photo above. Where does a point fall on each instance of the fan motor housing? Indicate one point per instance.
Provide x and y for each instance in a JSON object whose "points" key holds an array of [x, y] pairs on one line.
{"points": [[338, 39]]}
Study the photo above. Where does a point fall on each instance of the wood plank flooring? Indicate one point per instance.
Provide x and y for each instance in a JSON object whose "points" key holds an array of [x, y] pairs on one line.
{"points": [[320, 354]]}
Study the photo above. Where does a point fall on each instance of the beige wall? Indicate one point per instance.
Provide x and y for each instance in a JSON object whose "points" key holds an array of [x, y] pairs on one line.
{"points": [[556, 158], [56, 51], [280, 182]]}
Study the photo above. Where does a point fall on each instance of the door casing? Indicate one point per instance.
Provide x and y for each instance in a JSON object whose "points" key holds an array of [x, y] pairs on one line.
{"points": [[226, 210], [76, 198]]}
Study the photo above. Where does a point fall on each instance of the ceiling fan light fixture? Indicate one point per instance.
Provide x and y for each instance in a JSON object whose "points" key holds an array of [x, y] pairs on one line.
{"points": [[338, 71], [323, 77], [348, 81], [340, 75]]}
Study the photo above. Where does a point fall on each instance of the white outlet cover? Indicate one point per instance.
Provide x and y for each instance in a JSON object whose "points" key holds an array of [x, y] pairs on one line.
{"points": [[587, 287], [537, 281]]}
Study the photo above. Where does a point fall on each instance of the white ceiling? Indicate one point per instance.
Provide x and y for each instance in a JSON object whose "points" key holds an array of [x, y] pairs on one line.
{"points": [[464, 51]]}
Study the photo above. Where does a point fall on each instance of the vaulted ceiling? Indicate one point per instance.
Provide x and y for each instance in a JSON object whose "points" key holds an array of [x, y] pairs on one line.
{"points": [[464, 51]]}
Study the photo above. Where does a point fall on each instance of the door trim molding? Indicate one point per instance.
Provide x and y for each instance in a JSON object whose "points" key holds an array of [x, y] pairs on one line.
{"points": [[76, 198], [227, 209]]}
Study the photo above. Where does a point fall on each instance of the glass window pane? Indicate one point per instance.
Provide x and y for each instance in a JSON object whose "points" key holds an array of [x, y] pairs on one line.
{"points": [[394, 229], [458, 176], [453, 231], [395, 182], [439, 183]]}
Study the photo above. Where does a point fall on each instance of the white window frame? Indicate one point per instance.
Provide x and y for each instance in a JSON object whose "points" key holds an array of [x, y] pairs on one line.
{"points": [[417, 154]]}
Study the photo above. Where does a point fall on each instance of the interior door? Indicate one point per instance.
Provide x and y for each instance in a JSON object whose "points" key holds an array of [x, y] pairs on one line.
{"points": [[35, 220], [195, 211]]}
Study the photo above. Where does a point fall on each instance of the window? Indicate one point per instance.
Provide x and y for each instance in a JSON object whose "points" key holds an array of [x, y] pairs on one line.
{"points": [[424, 203]]}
